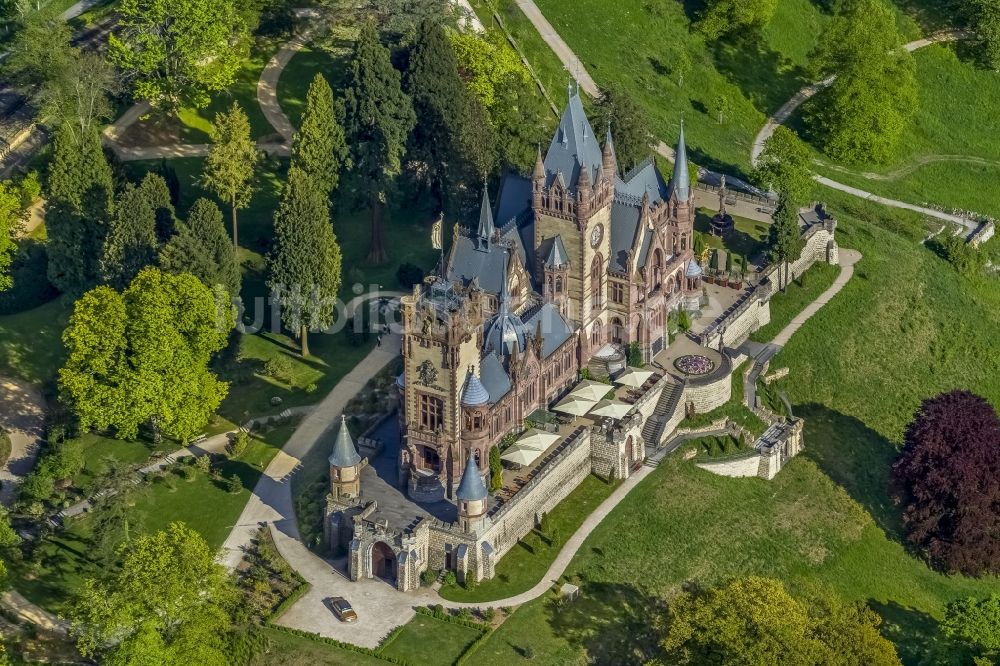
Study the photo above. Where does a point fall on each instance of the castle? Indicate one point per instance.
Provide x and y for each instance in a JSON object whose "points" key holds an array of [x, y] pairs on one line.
{"points": [[575, 263]]}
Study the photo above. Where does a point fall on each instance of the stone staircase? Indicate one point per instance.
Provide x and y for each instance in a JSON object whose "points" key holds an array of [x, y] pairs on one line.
{"points": [[666, 406]]}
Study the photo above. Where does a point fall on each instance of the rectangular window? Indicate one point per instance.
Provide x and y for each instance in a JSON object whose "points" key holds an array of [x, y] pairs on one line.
{"points": [[617, 292], [431, 412]]}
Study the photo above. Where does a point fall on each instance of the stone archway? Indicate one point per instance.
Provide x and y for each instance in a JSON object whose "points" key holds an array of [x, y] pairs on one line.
{"points": [[383, 562]]}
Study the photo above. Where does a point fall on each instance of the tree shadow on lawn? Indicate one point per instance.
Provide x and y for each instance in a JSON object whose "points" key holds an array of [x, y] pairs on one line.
{"points": [[917, 636], [766, 77], [857, 458], [712, 164], [614, 623]]}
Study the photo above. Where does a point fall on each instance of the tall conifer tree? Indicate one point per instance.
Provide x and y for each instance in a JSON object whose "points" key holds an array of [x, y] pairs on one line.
{"points": [[232, 162], [379, 117], [132, 243], [203, 249], [319, 147], [305, 263]]}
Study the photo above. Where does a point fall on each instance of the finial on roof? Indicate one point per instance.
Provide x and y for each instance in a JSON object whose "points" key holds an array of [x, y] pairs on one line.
{"points": [[682, 176], [539, 165], [486, 226], [471, 488]]}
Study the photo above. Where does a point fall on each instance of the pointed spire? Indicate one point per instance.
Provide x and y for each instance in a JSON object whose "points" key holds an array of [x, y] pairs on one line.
{"points": [[471, 488], [609, 161], [504, 289], [682, 177], [344, 453], [474, 394], [486, 226], [583, 181], [539, 173]]}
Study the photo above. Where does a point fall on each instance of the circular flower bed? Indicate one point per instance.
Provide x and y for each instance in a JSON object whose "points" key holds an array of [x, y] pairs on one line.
{"points": [[695, 364]]}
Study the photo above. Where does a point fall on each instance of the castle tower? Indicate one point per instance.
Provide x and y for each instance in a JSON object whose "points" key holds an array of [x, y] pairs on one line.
{"points": [[609, 161], [471, 495], [538, 181], [682, 207], [345, 465], [475, 419]]}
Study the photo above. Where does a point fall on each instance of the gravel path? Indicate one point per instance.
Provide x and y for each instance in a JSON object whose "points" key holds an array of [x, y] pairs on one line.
{"points": [[23, 418]]}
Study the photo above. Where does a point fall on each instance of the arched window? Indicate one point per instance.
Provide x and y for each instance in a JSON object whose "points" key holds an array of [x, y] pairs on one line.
{"points": [[684, 243], [558, 285], [616, 330], [596, 281], [596, 334], [657, 268]]}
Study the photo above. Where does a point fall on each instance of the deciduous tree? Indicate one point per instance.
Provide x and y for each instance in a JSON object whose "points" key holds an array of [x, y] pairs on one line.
{"points": [[379, 117], [142, 356], [11, 216], [629, 126], [319, 147], [947, 478], [975, 622], [202, 248], [232, 161], [174, 53], [168, 604], [305, 264], [984, 15], [863, 114], [723, 17], [755, 622], [783, 167]]}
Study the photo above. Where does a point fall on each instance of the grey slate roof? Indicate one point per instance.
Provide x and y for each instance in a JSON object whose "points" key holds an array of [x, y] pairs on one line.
{"points": [[693, 269], [471, 487], [475, 394], [555, 329], [493, 376], [344, 454], [574, 144], [557, 255], [514, 200], [506, 331], [624, 221], [469, 261], [644, 179]]}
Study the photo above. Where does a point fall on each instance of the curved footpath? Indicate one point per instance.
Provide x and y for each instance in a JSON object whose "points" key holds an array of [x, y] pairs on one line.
{"points": [[381, 608], [789, 107], [23, 419]]}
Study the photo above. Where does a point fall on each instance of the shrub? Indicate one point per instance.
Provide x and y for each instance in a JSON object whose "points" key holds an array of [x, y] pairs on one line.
{"points": [[408, 275], [204, 464], [684, 321], [465, 613], [528, 652], [470, 584], [234, 484], [635, 355], [428, 577], [29, 271], [490, 614], [279, 368], [450, 579], [238, 446], [496, 469], [187, 472]]}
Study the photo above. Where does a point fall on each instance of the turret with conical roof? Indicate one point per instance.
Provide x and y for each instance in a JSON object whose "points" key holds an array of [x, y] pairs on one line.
{"points": [[345, 464], [471, 496], [608, 158], [505, 333]]}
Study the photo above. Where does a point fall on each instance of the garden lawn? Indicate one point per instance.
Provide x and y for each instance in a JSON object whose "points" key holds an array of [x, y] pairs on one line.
{"points": [[946, 158], [748, 238], [428, 641], [905, 327], [98, 448], [734, 410], [203, 504], [802, 291], [31, 342], [287, 649], [521, 568]]}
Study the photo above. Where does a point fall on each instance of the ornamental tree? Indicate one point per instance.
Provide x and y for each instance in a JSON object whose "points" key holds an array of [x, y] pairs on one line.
{"points": [[947, 478], [232, 161], [379, 117], [784, 239], [142, 356], [305, 264], [168, 604], [755, 622], [319, 147], [175, 53]]}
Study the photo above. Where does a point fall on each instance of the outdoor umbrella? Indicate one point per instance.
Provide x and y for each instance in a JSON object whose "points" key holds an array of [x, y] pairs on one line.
{"points": [[614, 409], [537, 439], [521, 455], [634, 377], [588, 389], [574, 405]]}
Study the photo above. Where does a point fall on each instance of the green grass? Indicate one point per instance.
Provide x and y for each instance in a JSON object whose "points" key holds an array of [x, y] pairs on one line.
{"points": [[299, 72], [203, 504], [31, 342], [527, 562], [785, 306], [942, 128], [427, 641], [287, 649], [98, 448], [748, 238]]}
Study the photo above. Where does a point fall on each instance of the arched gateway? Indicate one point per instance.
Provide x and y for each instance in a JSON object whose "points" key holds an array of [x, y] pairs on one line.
{"points": [[383, 561]]}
